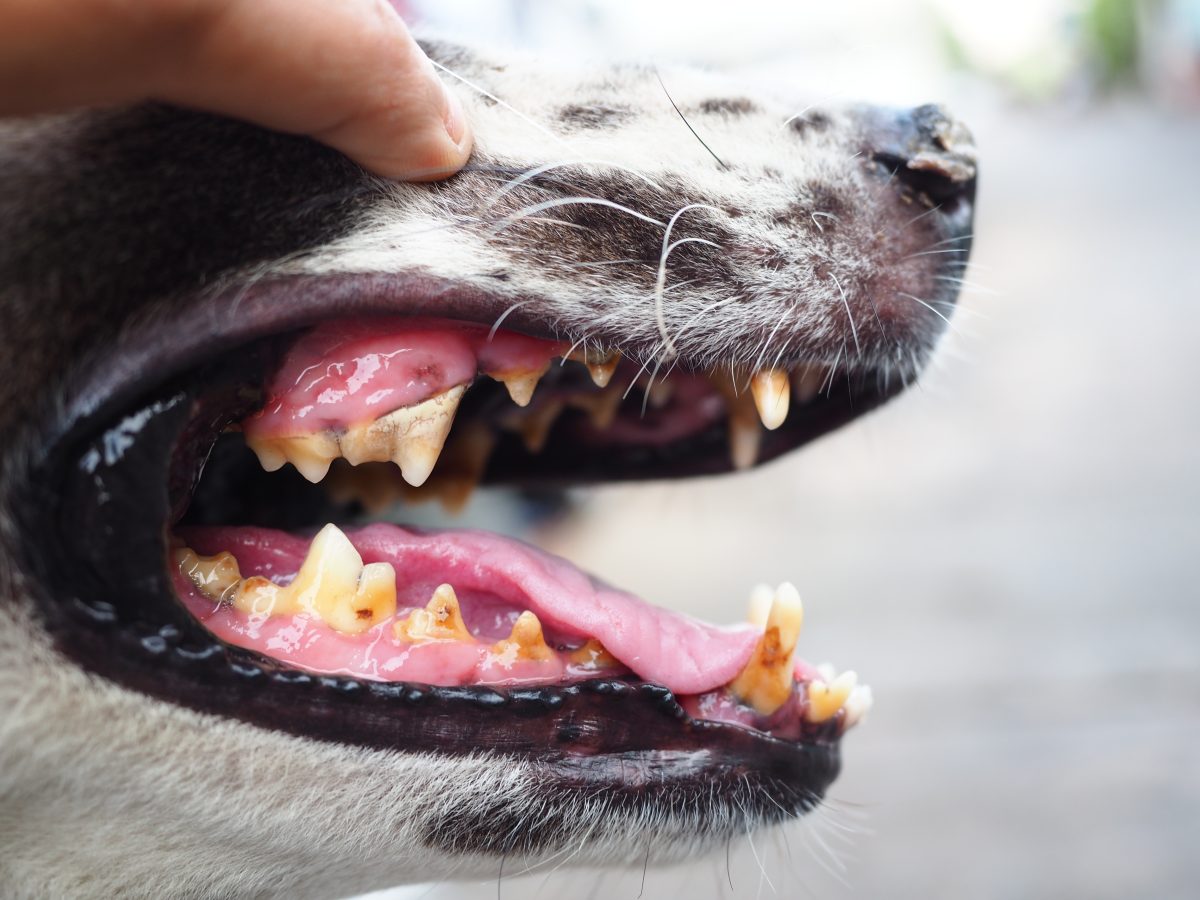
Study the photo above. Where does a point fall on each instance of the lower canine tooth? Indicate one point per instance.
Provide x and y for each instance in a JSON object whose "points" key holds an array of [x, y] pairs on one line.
{"points": [[825, 699], [771, 394], [440, 620], [766, 681], [525, 642]]}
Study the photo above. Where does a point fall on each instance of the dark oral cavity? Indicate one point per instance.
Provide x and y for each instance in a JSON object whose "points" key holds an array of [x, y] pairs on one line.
{"points": [[455, 608]]}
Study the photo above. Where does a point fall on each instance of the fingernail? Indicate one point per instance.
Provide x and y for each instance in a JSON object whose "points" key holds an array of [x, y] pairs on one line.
{"points": [[455, 119]]}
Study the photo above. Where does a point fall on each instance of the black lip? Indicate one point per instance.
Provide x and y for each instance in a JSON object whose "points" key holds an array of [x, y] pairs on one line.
{"points": [[95, 512]]}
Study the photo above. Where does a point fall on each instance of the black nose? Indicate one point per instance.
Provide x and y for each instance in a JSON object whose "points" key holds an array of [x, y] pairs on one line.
{"points": [[927, 151]]}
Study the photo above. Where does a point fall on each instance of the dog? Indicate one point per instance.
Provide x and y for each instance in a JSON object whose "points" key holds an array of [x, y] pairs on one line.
{"points": [[156, 265]]}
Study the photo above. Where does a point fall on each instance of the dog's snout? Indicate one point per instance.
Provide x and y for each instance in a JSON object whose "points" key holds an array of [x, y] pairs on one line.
{"points": [[926, 150]]}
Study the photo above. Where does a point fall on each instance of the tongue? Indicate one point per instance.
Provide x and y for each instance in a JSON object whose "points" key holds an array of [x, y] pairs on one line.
{"points": [[496, 579]]}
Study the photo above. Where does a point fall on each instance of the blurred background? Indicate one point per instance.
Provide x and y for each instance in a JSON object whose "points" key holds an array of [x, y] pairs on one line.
{"points": [[1009, 554]]}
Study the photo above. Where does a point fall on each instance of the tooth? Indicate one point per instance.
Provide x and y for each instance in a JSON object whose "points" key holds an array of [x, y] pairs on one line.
{"points": [[311, 454], [601, 406], [217, 577], [521, 384], [745, 433], [462, 464], [525, 642], [258, 596], [270, 457], [858, 704], [602, 372], [373, 601], [808, 382], [826, 698], [440, 620], [770, 390], [745, 440], [593, 655], [535, 425], [761, 598], [411, 437], [766, 681], [328, 575], [660, 394], [376, 486]]}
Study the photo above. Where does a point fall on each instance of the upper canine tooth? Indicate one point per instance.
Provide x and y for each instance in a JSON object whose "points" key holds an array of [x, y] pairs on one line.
{"points": [[525, 642], [825, 699], [521, 385], [771, 393], [440, 620], [766, 681]]}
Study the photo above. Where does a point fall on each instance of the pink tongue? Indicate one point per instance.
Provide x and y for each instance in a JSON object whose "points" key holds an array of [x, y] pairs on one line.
{"points": [[490, 574]]}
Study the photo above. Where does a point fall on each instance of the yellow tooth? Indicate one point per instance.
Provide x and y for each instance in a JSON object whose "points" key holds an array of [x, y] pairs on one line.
{"points": [[534, 426], [745, 440], [660, 394], [411, 437], [762, 596], [258, 596], [858, 704], [766, 681], [745, 432], [808, 382], [270, 456], [311, 454], [329, 572], [521, 385], [600, 406], [440, 620], [825, 699], [376, 486], [217, 577], [771, 393], [372, 601], [525, 642], [462, 464], [602, 372], [593, 655]]}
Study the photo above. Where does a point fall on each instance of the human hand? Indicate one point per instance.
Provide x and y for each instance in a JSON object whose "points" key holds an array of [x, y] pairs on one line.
{"points": [[345, 72]]}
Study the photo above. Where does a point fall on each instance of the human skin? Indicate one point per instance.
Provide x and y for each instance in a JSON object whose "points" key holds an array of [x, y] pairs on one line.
{"points": [[345, 72]]}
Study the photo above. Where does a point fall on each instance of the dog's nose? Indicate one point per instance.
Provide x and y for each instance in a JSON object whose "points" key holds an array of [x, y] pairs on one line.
{"points": [[926, 150]]}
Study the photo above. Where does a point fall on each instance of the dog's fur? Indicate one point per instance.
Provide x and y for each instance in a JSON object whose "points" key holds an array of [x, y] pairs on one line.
{"points": [[115, 222]]}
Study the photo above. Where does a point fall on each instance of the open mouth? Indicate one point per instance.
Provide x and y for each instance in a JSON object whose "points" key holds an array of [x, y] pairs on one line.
{"points": [[218, 543]]}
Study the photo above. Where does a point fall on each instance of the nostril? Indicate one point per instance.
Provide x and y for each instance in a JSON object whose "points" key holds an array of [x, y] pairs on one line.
{"points": [[927, 151]]}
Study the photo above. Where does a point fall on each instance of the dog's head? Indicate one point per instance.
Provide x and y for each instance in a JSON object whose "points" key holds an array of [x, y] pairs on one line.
{"points": [[162, 271]]}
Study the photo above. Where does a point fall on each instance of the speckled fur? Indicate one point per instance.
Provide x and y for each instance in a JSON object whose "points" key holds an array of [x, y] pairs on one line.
{"points": [[113, 219]]}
